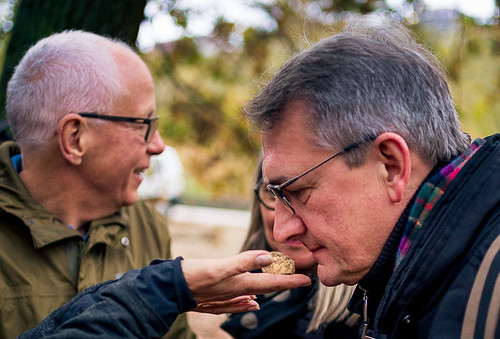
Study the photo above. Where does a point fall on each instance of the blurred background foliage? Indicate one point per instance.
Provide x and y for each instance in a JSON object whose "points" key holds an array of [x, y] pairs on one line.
{"points": [[203, 79]]}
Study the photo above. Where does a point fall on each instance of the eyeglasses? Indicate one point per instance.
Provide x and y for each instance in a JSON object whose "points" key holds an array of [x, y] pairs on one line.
{"points": [[277, 190], [152, 123], [265, 197]]}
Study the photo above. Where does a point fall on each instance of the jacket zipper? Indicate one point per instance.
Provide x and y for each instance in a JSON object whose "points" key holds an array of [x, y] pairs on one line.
{"points": [[365, 315]]}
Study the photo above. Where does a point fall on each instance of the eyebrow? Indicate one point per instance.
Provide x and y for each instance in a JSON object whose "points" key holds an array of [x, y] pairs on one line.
{"points": [[279, 180]]}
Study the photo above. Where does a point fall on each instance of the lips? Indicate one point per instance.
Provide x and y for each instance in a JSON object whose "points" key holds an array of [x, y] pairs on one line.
{"points": [[139, 174], [316, 251], [140, 171], [312, 247], [295, 243]]}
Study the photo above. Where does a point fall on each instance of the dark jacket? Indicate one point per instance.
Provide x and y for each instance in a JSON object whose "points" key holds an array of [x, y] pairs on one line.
{"points": [[141, 304], [427, 296]]}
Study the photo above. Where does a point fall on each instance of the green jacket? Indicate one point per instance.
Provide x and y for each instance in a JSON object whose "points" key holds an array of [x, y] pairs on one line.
{"points": [[44, 263]]}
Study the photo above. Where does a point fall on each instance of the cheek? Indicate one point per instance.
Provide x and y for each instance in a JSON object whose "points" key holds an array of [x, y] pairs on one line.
{"points": [[119, 165], [120, 171], [333, 224], [268, 220], [353, 239], [322, 219], [346, 212]]}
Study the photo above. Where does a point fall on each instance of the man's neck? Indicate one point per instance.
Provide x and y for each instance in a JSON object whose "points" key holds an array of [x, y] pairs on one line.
{"points": [[59, 188]]}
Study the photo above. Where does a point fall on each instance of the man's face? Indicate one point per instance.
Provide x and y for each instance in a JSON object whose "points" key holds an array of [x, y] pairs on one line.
{"points": [[343, 215], [120, 154]]}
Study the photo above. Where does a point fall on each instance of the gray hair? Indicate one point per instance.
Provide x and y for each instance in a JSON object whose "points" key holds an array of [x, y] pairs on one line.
{"points": [[67, 72], [371, 78]]}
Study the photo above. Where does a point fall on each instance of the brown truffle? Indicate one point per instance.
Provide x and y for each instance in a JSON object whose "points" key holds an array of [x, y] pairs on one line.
{"points": [[282, 264]]}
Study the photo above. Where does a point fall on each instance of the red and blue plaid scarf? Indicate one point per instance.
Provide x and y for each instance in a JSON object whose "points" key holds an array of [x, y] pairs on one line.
{"points": [[427, 197]]}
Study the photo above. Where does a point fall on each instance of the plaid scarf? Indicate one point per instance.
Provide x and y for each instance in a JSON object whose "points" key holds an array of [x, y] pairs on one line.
{"points": [[427, 197]]}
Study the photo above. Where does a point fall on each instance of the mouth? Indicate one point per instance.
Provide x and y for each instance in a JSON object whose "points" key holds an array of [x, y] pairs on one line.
{"points": [[315, 251], [140, 171]]}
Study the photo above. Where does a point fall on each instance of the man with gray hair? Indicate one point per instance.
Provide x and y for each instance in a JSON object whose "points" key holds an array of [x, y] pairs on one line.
{"points": [[81, 108], [363, 149]]}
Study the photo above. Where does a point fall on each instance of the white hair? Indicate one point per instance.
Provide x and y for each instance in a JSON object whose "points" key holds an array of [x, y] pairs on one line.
{"points": [[67, 72]]}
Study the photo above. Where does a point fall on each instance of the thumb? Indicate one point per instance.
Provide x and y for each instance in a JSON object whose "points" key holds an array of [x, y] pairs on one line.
{"points": [[246, 261], [212, 271]]}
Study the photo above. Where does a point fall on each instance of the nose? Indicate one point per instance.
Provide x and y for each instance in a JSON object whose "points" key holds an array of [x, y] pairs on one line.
{"points": [[287, 225], [156, 146]]}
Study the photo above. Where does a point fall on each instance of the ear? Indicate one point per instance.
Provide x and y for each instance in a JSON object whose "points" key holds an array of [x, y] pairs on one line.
{"points": [[394, 155], [70, 132]]}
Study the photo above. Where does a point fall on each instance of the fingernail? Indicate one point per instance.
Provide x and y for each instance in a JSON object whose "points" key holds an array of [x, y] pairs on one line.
{"points": [[254, 307], [264, 259]]}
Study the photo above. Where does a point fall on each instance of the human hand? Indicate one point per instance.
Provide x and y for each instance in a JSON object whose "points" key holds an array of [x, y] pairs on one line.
{"points": [[240, 304], [218, 280]]}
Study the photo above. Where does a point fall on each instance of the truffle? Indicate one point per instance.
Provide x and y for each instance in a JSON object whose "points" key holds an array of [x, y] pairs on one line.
{"points": [[282, 264]]}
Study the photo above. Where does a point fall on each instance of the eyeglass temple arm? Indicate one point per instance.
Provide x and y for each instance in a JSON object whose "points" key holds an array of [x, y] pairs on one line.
{"points": [[292, 180], [345, 150], [356, 144]]}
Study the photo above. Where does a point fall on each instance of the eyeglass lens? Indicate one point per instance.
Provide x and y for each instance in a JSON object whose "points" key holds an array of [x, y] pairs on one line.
{"points": [[266, 197], [153, 126], [278, 194]]}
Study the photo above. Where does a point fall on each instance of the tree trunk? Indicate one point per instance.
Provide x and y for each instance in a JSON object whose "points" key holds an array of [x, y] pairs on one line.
{"points": [[36, 19]]}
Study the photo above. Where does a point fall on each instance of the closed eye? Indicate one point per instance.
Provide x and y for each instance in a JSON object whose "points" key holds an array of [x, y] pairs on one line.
{"points": [[300, 194]]}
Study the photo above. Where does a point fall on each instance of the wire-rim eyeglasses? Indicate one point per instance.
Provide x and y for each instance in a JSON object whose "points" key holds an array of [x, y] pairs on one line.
{"points": [[277, 190]]}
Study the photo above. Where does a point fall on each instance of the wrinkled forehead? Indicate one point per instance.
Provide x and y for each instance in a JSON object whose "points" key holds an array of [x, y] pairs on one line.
{"points": [[270, 166], [286, 154]]}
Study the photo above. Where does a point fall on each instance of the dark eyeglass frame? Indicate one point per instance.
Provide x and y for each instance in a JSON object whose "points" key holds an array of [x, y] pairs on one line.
{"points": [[151, 122], [277, 190], [256, 190]]}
